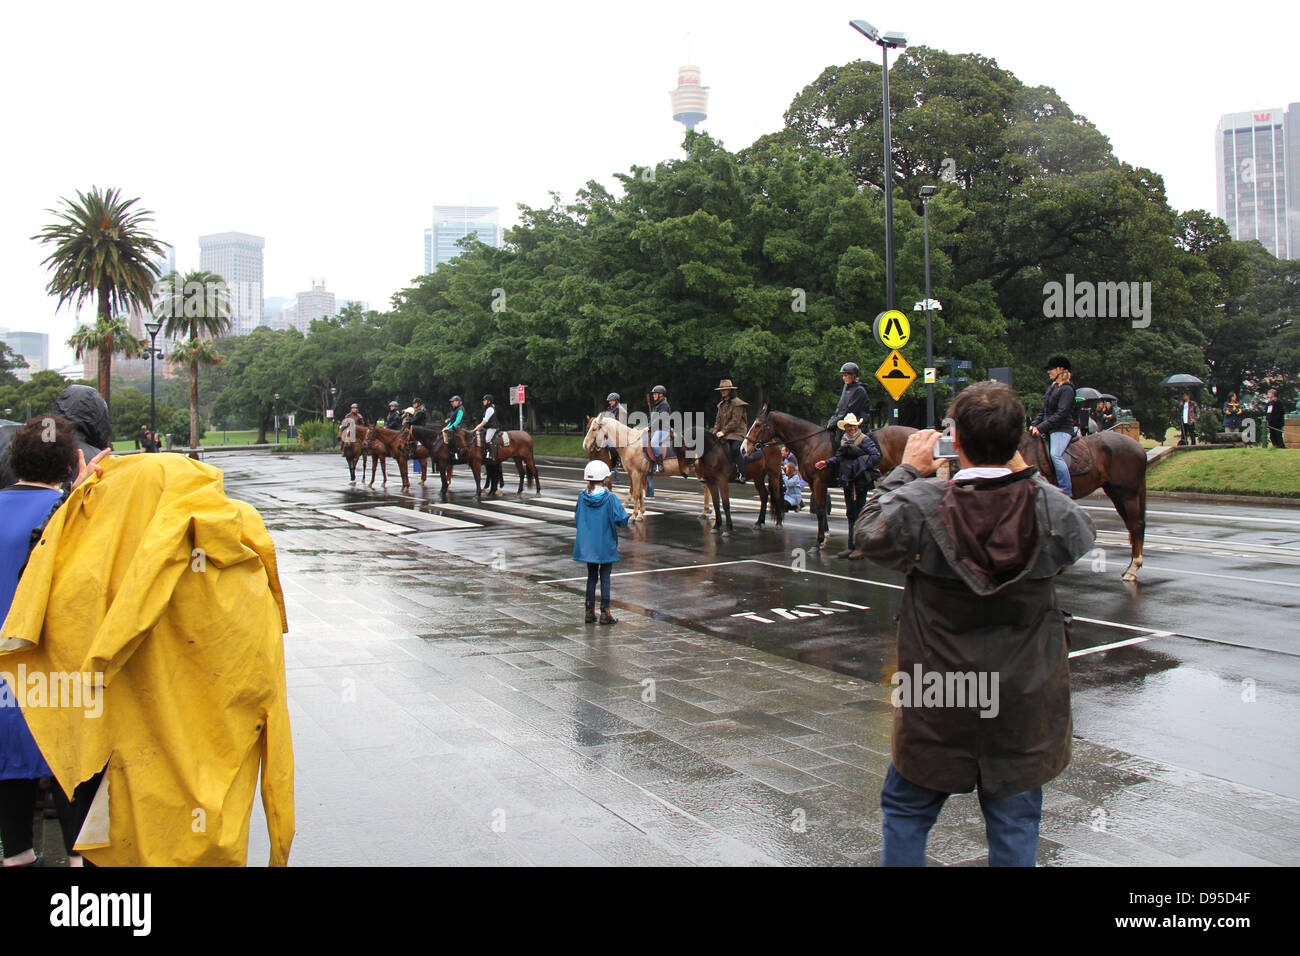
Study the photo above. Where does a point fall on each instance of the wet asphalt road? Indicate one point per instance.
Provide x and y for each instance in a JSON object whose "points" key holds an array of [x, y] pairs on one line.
{"points": [[1197, 665]]}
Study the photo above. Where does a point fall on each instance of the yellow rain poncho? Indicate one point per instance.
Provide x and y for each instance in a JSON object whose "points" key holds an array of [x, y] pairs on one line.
{"points": [[162, 595]]}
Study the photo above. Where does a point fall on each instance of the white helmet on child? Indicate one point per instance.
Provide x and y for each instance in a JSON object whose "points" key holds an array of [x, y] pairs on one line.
{"points": [[595, 471]]}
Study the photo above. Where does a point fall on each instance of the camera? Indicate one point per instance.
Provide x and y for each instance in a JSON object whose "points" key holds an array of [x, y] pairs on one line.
{"points": [[943, 447]]}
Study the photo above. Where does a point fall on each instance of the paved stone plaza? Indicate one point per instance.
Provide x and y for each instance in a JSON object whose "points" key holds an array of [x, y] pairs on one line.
{"points": [[446, 711]]}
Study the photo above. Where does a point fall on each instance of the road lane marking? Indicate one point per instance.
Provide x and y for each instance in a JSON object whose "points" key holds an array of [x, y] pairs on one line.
{"points": [[374, 524], [1207, 516], [480, 513], [682, 567], [1128, 642], [441, 520]]}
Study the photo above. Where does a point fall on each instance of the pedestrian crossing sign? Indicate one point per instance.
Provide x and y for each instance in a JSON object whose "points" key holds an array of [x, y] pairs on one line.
{"points": [[892, 329], [895, 374]]}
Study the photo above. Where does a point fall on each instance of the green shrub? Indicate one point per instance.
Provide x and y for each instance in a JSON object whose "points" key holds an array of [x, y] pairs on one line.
{"points": [[179, 427], [317, 436]]}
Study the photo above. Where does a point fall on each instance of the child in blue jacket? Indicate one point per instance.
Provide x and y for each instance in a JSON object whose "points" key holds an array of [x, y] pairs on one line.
{"points": [[598, 514]]}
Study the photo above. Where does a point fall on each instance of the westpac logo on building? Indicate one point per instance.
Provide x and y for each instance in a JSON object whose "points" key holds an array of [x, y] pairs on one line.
{"points": [[1098, 300]]}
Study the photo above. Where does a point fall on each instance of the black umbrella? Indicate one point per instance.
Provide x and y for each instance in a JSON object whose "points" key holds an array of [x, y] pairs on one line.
{"points": [[1107, 397]]}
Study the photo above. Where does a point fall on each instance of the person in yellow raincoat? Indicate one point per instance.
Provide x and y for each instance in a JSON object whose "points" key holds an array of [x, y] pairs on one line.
{"points": [[145, 638]]}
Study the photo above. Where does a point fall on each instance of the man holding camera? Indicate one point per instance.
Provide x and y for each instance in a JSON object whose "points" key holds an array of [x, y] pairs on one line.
{"points": [[978, 609]]}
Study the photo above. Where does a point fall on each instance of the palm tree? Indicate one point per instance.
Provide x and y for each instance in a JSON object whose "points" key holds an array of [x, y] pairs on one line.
{"points": [[101, 249], [113, 335], [196, 307], [195, 352]]}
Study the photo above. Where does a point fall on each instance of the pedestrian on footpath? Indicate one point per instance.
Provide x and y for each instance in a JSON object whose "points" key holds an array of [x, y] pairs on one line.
{"points": [[599, 514], [982, 697], [1275, 418], [43, 455]]}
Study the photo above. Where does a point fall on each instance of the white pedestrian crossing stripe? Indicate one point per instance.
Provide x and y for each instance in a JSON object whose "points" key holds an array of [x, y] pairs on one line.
{"points": [[442, 521]]}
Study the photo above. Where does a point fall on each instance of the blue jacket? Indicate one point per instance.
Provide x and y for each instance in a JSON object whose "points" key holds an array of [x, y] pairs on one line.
{"points": [[21, 509], [598, 516]]}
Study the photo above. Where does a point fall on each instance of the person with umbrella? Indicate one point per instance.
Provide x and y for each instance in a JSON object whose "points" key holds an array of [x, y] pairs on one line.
{"points": [[1189, 413]]}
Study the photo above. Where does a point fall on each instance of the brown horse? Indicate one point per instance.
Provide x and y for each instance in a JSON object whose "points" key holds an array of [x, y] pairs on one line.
{"points": [[351, 446], [521, 450], [1107, 460], [363, 447], [393, 444], [811, 443]]}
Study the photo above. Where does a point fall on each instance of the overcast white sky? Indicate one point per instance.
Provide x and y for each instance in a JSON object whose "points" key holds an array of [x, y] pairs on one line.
{"points": [[332, 128]]}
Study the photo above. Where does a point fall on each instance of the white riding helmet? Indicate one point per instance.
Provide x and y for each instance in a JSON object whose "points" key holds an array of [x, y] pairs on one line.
{"points": [[595, 471]]}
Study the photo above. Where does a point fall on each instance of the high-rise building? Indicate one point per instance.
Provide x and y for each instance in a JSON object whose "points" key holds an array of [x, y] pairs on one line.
{"points": [[1257, 168], [237, 258], [314, 304], [34, 347], [452, 224], [690, 100]]}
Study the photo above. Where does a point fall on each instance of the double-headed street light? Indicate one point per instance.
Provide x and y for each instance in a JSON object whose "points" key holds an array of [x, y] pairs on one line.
{"points": [[926, 193], [890, 41], [152, 328]]}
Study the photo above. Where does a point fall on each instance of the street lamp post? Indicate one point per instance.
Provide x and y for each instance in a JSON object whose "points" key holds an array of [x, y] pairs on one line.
{"points": [[276, 409], [926, 193], [152, 328], [895, 41]]}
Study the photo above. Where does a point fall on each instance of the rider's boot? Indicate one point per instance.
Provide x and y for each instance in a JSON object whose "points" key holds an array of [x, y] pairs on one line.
{"points": [[591, 614], [606, 617]]}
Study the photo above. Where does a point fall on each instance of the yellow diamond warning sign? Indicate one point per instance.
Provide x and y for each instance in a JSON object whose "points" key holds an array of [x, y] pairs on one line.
{"points": [[895, 374]]}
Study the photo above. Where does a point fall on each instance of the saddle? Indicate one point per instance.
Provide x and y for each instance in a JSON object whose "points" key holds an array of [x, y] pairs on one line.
{"points": [[1078, 455]]}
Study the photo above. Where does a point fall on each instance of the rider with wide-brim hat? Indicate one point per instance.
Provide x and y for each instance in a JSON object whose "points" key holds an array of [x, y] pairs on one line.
{"points": [[855, 458], [853, 400], [1056, 420], [731, 424]]}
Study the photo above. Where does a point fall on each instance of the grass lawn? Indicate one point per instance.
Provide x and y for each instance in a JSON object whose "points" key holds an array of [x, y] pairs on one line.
{"points": [[570, 445], [1244, 471], [218, 437]]}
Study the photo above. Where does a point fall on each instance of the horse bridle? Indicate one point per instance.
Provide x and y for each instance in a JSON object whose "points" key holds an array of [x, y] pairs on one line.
{"points": [[772, 436]]}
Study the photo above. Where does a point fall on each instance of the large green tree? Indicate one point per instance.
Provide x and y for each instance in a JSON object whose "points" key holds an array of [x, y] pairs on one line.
{"points": [[101, 249]]}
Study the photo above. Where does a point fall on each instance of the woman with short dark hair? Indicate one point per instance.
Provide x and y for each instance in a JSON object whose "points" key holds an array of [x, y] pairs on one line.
{"points": [[43, 454]]}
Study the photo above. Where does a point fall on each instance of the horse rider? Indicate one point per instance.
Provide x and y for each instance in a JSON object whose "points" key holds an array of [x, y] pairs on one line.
{"points": [[856, 456], [394, 418], [615, 409], [489, 427], [1056, 420], [350, 422], [731, 424], [455, 420], [416, 415], [853, 400], [660, 426]]}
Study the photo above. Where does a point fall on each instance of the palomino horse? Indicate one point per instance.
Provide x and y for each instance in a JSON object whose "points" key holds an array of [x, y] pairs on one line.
{"points": [[1108, 460], [713, 466], [811, 443]]}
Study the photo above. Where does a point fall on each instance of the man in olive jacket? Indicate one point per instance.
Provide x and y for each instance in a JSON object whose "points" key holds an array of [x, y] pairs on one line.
{"points": [[731, 424], [982, 695]]}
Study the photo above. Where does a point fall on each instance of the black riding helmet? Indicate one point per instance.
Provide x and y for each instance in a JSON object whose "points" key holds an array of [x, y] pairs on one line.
{"points": [[487, 398], [659, 390], [456, 398], [1058, 361], [851, 368]]}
